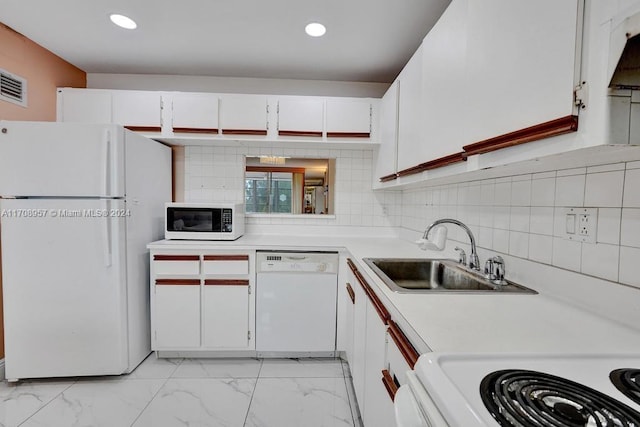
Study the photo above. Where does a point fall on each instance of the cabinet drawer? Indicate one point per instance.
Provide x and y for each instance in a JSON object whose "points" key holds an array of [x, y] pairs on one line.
{"points": [[225, 264], [176, 264]]}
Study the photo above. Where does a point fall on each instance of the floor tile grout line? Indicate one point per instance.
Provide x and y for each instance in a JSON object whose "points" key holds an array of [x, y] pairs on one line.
{"points": [[49, 402], [246, 416], [166, 380]]}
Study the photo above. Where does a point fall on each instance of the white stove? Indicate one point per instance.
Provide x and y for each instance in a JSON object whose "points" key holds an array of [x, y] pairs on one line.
{"points": [[447, 389]]}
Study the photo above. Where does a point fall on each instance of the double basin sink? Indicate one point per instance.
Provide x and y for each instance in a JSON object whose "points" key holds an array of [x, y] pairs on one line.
{"points": [[406, 275]]}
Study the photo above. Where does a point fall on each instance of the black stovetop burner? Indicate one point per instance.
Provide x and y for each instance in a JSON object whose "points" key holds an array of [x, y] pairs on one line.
{"points": [[627, 380], [522, 398]]}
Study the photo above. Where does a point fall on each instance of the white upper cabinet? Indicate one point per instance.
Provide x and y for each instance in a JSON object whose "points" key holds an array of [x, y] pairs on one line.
{"points": [[387, 160], [244, 114], [520, 65], [346, 118], [140, 110], [194, 111], [301, 116], [84, 105], [443, 81], [410, 118]]}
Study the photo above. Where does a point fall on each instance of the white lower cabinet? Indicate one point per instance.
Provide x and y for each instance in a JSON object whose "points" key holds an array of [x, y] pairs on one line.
{"points": [[202, 301], [177, 323], [359, 340]]}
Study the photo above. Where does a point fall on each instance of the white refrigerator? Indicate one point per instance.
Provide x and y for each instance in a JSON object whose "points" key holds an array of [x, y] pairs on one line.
{"points": [[78, 205]]}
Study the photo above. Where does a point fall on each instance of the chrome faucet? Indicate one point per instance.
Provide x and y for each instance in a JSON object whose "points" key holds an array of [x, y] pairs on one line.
{"points": [[474, 262], [494, 270]]}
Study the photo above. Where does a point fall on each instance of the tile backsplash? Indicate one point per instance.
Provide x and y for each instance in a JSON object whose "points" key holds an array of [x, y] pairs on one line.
{"points": [[216, 174], [523, 216]]}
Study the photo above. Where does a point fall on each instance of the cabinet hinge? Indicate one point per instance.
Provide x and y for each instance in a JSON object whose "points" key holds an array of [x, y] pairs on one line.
{"points": [[370, 118], [248, 335], [581, 95], [249, 287]]}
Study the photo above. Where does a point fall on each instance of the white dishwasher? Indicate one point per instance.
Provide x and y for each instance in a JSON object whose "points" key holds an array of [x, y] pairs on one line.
{"points": [[296, 297]]}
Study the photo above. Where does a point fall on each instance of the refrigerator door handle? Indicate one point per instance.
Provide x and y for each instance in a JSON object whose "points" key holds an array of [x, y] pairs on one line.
{"points": [[106, 142], [106, 237]]}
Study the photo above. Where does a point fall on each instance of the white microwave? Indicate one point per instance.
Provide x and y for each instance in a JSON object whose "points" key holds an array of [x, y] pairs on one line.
{"points": [[204, 221]]}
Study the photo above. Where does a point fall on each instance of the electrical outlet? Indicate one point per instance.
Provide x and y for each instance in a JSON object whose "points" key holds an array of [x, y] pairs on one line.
{"points": [[581, 224]]}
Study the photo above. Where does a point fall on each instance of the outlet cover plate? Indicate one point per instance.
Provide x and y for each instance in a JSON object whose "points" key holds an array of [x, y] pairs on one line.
{"points": [[581, 224]]}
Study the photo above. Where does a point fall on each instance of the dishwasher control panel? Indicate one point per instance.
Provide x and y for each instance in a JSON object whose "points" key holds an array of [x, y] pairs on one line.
{"points": [[303, 262]]}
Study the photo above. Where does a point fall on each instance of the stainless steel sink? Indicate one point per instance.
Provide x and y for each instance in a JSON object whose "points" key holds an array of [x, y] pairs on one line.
{"points": [[407, 275]]}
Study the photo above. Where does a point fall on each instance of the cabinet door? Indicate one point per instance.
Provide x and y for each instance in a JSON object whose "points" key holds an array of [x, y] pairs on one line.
{"points": [[378, 404], [195, 112], [359, 340], [520, 65], [176, 320], [302, 116], [444, 51], [225, 317], [84, 106], [243, 114], [349, 320], [348, 118], [387, 160], [410, 123], [137, 110]]}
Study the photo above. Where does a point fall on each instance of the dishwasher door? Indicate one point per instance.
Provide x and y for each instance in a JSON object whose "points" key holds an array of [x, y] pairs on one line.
{"points": [[296, 314]]}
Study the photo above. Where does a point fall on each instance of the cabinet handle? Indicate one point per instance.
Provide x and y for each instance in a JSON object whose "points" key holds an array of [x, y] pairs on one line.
{"points": [[244, 132], [144, 128], [176, 257], [299, 133], [406, 349], [389, 384], [348, 135], [352, 294], [226, 258], [377, 304], [225, 282], [178, 282], [195, 130]]}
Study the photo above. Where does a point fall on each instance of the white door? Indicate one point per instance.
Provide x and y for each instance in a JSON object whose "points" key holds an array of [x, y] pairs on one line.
{"points": [[136, 108], [61, 160], [64, 288], [225, 314], [195, 111], [84, 105]]}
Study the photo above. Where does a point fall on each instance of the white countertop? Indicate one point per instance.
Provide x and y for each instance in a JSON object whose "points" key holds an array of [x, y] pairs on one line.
{"points": [[544, 323]]}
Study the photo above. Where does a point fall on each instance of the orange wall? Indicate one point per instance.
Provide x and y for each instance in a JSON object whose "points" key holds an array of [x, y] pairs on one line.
{"points": [[44, 72]]}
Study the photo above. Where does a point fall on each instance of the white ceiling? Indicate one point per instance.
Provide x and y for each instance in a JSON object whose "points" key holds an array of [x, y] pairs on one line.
{"points": [[366, 40]]}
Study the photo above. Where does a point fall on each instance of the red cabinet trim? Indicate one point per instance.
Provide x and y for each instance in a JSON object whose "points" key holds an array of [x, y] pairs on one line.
{"points": [[388, 178], [225, 282], [433, 164], [348, 135], [300, 133], [176, 257], [178, 282], [226, 257], [244, 132], [389, 384], [144, 128], [533, 133], [406, 349], [351, 293], [195, 130]]}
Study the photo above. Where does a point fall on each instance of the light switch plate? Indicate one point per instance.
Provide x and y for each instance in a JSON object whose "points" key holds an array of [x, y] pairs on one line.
{"points": [[581, 224]]}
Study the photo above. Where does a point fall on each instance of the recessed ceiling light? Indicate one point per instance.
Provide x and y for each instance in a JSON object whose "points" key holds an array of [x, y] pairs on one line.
{"points": [[315, 29], [123, 21]]}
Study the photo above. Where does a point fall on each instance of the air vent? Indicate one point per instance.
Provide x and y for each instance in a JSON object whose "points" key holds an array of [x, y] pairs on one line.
{"points": [[13, 88]]}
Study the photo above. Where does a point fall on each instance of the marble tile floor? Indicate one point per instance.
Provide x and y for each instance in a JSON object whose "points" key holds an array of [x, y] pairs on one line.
{"points": [[190, 392]]}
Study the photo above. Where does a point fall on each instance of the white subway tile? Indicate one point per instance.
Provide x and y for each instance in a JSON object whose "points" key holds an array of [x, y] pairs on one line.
{"points": [[542, 175], [487, 192], [629, 266], [543, 192], [633, 165], [631, 198], [485, 238], [519, 244], [630, 228], [502, 195], [501, 216], [604, 189], [519, 219], [541, 220], [540, 248], [567, 254], [600, 260], [521, 193], [501, 241], [570, 172], [570, 190], [608, 229], [606, 168]]}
